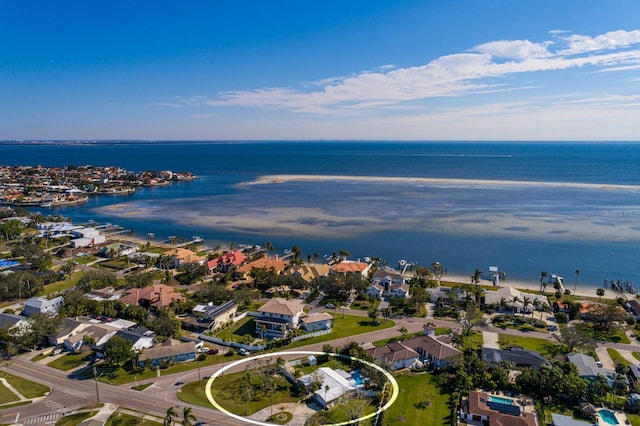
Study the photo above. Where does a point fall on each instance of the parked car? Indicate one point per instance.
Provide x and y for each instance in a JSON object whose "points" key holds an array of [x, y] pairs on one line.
{"points": [[330, 306], [243, 352], [212, 352]]}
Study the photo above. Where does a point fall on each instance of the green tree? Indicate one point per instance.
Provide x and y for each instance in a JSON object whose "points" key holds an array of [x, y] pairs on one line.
{"points": [[403, 332], [373, 315], [171, 414], [117, 350], [600, 293], [187, 416]]}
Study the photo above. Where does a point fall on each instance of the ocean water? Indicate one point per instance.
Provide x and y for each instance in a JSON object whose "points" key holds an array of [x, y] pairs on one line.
{"points": [[524, 207]]}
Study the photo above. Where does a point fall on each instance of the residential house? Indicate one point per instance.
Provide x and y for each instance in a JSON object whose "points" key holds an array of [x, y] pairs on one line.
{"points": [[510, 294], [99, 334], [118, 249], [589, 370], [633, 307], [375, 290], [181, 256], [226, 261], [107, 293], [15, 325], [437, 350], [335, 384], [394, 355], [386, 276], [140, 337], [351, 267], [70, 326], [399, 290], [515, 357], [308, 272], [480, 407], [316, 322], [153, 296], [278, 316], [264, 263], [210, 316], [42, 305], [169, 351]]}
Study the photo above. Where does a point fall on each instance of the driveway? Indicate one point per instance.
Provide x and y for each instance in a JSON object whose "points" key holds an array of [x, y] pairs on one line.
{"points": [[490, 340], [604, 358]]}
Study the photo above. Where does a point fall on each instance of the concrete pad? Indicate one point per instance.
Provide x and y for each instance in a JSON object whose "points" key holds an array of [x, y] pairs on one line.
{"points": [[490, 340]]}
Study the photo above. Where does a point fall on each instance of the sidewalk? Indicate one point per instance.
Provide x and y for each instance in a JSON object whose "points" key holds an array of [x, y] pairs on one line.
{"points": [[101, 418]]}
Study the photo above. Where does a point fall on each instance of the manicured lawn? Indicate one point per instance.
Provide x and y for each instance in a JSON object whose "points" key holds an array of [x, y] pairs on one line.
{"points": [[59, 286], [241, 328], [223, 392], [26, 387], [75, 419], [634, 419], [141, 387], [636, 355], [616, 335], [617, 358], [6, 395], [127, 419], [543, 346], [414, 390], [69, 361]]}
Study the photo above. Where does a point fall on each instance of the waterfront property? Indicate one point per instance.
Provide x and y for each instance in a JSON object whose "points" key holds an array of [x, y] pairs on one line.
{"points": [[265, 263], [226, 261]]}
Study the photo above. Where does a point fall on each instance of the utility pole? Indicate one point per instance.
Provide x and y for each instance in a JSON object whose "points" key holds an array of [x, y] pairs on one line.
{"points": [[95, 378]]}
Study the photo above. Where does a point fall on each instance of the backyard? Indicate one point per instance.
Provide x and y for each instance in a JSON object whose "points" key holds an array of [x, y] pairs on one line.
{"points": [[543, 346], [421, 402]]}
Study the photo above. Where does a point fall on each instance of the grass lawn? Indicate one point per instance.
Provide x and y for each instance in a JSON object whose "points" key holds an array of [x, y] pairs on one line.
{"points": [[127, 419], [75, 419], [636, 355], [365, 304], [349, 325], [634, 419], [194, 393], [69, 361], [26, 387], [241, 328], [543, 346], [414, 389], [59, 286], [617, 358], [6, 395], [83, 260], [616, 335], [141, 387]]}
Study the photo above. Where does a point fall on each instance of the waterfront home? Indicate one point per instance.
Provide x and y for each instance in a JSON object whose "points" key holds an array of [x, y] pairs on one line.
{"points": [[394, 355], [42, 305], [515, 357], [181, 256], [226, 261], [386, 276], [588, 368], [118, 249], [278, 316], [436, 350], [510, 294], [375, 290], [351, 267], [316, 322], [480, 407], [308, 272], [153, 296], [399, 290], [169, 351], [633, 307], [264, 263]]}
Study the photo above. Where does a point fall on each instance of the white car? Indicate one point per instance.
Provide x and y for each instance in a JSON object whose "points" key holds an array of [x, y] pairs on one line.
{"points": [[243, 352]]}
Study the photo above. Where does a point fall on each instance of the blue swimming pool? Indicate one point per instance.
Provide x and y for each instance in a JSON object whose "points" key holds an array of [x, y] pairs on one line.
{"points": [[608, 417], [500, 400], [358, 378], [7, 263]]}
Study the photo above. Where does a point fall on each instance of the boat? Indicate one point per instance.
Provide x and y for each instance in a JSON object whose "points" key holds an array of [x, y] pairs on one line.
{"points": [[47, 204]]}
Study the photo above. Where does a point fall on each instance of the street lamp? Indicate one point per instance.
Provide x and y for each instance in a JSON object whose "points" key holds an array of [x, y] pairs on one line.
{"points": [[95, 378]]}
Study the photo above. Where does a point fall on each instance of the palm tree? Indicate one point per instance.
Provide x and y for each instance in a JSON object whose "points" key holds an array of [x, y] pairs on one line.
{"points": [[600, 293], [476, 276], [526, 301], [537, 305], [403, 332], [187, 416], [576, 283], [515, 300], [503, 304], [171, 414], [429, 326], [543, 275]]}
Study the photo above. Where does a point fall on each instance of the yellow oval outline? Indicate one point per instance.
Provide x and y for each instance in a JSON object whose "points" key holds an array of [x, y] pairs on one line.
{"points": [[214, 376]]}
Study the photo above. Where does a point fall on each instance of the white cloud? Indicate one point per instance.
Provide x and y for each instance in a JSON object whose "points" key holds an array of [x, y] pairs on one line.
{"points": [[483, 69]]}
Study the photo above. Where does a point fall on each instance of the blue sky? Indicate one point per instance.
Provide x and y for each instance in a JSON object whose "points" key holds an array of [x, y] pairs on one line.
{"points": [[296, 70]]}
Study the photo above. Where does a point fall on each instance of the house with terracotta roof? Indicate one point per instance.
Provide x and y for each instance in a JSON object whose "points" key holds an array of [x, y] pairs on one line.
{"points": [[226, 261], [181, 256], [351, 267], [308, 272], [264, 263], [437, 350], [394, 355], [316, 322], [153, 296], [494, 411], [278, 316]]}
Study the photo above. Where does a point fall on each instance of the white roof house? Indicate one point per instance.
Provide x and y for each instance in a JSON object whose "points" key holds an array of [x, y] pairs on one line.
{"points": [[42, 305], [335, 383]]}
